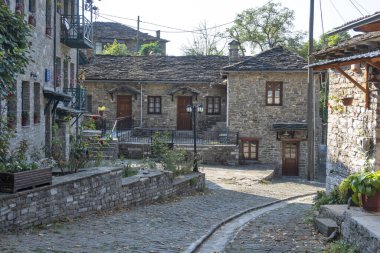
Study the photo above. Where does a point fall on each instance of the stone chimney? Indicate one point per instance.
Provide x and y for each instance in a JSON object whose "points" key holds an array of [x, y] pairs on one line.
{"points": [[234, 51], [158, 34]]}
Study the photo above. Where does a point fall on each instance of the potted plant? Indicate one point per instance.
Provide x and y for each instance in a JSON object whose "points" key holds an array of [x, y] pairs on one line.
{"points": [[59, 7], [101, 110], [20, 8], [24, 118], [48, 30], [16, 173], [347, 101], [364, 188], [31, 20]]}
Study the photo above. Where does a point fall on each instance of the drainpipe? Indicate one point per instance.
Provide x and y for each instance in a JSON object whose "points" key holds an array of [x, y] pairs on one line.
{"points": [[55, 44], [141, 106]]}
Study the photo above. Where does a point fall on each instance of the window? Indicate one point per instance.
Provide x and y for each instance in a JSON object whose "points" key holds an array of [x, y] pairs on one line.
{"points": [[32, 6], [65, 75], [89, 103], [19, 6], [25, 104], [213, 105], [154, 105], [274, 93], [249, 149], [58, 72], [72, 76], [48, 18], [37, 104], [12, 111]]}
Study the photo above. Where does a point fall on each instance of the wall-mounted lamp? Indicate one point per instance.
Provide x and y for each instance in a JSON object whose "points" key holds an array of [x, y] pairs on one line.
{"points": [[112, 97], [33, 75]]}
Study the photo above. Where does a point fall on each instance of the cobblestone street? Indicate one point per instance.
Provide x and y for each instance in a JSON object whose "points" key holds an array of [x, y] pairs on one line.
{"points": [[172, 225]]}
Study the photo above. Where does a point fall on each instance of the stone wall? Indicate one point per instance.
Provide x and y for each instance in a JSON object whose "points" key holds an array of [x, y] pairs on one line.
{"points": [[210, 154], [351, 130], [42, 60], [249, 115], [168, 117], [90, 191]]}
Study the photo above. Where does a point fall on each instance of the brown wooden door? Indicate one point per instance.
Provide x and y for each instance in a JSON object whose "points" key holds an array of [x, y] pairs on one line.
{"points": [[290, 158], [183, 117], [124, 108]]}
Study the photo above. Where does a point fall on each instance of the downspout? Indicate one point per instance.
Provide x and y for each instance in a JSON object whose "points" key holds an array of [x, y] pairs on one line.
{"points": [[141, 106], [55, 45]]}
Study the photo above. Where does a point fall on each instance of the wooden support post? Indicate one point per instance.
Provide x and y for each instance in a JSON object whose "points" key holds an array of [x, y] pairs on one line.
{"points": [[350, 78]]}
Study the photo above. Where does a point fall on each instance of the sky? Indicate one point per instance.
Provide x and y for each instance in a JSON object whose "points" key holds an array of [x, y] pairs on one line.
{"points": [[187, 15]]}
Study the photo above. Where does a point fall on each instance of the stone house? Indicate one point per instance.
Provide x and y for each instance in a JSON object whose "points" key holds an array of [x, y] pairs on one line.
{"points": [[106, 32], [266, 104], [262, 97], [51, 78], [153, 91], [352, 74]]}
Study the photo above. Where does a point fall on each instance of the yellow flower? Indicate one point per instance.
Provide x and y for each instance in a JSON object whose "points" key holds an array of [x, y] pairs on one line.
{"points": [[101, 108]]}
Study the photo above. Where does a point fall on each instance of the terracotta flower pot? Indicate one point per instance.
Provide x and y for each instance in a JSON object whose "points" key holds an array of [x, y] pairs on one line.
{"points": [[372, 203], [347, 101]]}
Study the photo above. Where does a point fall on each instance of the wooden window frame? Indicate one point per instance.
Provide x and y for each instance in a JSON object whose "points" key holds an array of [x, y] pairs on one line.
{"points": [[250, 140], [273, 92], [212, 98], [154, 104]]}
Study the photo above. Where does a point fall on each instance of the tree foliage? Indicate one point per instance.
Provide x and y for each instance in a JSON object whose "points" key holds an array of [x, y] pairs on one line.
{"points": [[152, 48], [14, 46], [207, 41], [266, 27], [116, 49]]}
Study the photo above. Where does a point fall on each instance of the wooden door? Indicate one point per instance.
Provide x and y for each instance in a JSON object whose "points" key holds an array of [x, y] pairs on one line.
{"points": [[183, 117], [290, 158], [124, 108]]}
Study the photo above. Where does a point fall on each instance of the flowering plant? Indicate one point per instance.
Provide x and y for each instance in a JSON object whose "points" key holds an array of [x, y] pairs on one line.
{"points": [[101, 108], [335, 104]]}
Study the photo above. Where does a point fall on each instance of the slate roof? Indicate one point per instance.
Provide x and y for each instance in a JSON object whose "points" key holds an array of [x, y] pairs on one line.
{"points": [[351, 46], [181, 69], [290, 126], [275, 59], [112, 30], [346, 59], [356, 23]]}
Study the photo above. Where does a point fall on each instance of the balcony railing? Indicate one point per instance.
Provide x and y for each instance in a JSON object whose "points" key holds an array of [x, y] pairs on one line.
{"points": [[78, 101], [76, 31]]}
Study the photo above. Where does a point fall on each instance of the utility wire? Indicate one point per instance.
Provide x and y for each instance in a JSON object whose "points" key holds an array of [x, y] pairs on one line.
{"points": [[356, 7], [323, 29], [173, 28], [361, 6], [337, 11]]}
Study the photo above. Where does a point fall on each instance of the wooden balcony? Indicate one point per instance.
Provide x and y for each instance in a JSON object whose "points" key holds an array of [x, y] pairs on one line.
{"points": [[76, 31]]}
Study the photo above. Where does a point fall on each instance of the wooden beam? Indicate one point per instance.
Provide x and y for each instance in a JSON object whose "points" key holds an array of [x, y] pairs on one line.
{"points": [[350, 78], [374, 64], [356, 61], [366, 95]]}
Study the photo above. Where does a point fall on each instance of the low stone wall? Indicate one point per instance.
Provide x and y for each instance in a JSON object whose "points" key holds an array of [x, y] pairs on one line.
{"points": [[210, 154], [88, 192]]}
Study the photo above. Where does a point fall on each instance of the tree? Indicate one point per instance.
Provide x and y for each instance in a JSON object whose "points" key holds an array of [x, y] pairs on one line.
{"points": [[116, 49], [206, 41], [152, 48], [14, 46], [265, 27]]}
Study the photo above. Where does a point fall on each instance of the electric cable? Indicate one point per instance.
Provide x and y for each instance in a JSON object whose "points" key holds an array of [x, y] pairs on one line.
{"points": [[337, 11], [356, 7]]}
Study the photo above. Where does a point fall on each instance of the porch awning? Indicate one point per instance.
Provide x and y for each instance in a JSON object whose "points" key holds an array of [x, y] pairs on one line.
{"points": [[289, 126], [55, 95], [184, 88], [124, 89], [374, 56]]}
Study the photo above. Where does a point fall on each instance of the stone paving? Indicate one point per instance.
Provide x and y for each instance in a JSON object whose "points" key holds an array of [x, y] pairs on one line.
{"points": [[281, 230], [167, 226]]}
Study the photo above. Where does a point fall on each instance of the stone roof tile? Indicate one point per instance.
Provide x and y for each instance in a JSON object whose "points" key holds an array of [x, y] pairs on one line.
{"points": [[275, 59]]}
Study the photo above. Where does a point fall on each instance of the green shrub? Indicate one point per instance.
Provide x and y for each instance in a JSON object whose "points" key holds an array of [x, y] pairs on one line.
{"points": [[340, 247], [335, 197]]}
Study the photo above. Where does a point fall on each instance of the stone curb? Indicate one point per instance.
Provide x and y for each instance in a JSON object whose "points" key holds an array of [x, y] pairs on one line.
{"points": [[195, 246]]}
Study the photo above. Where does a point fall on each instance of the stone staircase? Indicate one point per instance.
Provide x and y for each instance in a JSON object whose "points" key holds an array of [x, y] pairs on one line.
{"points": [[218, 127], [100, 148]]}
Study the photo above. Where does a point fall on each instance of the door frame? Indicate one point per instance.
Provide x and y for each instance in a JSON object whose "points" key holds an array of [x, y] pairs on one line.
{"points": [[191, 123], [283, 143]]}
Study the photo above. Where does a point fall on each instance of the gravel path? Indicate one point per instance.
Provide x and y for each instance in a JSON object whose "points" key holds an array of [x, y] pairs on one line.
{"points": [[167, 226]]}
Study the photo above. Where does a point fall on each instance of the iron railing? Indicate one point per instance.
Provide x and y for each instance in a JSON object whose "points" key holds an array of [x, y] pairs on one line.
{"points": [[115, 127], [78, 101], [145, 136], [76, 31]]}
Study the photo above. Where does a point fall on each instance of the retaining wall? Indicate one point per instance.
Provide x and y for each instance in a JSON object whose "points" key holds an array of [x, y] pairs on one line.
{"points": [[90, 191]]}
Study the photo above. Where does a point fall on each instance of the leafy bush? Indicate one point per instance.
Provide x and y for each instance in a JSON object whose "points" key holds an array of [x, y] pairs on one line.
{"points": [[340, 247], [335, 197]]}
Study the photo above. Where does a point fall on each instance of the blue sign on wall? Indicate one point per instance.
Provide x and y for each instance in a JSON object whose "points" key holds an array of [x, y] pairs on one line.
{"points": [[47, 75]]}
